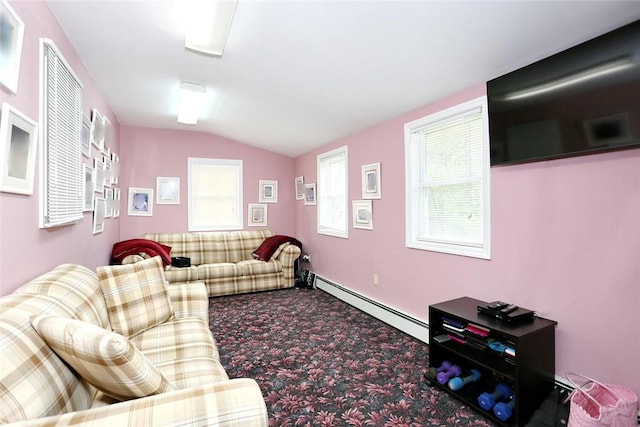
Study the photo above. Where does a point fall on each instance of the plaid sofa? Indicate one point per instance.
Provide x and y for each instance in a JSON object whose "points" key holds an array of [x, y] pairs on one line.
{"points": [[37, 388], [223, 261]]}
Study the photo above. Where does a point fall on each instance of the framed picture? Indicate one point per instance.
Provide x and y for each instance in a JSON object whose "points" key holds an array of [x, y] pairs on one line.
{"points": [[98, 175], [300, 188], [11, 35], [115, 168], [371, 181], [85, 136], [268, 191], [87, 188], [167, 190], [140, 201], [97, 129], [18, 143], [108, 198], [362, 214], [310, 194], [257, 215], [116, 202], [99, 214], [106, 160]]}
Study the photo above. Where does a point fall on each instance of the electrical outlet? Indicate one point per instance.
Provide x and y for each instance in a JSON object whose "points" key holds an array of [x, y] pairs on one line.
{"points": [[376, 279]]}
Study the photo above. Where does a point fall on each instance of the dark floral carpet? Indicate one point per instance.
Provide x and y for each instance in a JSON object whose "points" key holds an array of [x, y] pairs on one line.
{"points": [[321, 362]]}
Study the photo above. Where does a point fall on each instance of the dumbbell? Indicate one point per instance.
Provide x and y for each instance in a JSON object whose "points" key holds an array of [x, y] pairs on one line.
{"points": [[458, 382], [433, 371], [504, 410], [488, 400], [446, 375]]}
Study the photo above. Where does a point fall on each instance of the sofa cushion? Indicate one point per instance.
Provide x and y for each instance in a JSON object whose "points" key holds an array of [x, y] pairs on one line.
{"points": [[255, 267], [105, 359], [181, 274], [218, 270], [136, 296]]}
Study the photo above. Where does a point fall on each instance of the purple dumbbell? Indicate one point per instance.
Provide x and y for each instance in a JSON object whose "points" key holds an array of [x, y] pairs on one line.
{"points": [[488, 400], [444, 376]]}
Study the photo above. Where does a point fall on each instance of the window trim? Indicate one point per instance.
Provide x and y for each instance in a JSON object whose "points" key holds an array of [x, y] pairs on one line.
{"points": [[192, 161], [411, 241], [325, 230]]}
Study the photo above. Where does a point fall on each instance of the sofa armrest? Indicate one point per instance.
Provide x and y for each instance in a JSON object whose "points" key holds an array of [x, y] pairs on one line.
{"points": [[189, 300], [288, 256], [228, 403]]}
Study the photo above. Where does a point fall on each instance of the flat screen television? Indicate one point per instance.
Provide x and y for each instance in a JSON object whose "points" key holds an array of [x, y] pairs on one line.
{"points": [[583, 100]]}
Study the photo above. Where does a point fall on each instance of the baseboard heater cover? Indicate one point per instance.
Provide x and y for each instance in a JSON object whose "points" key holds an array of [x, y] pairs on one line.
{"points": [[399, 320]]}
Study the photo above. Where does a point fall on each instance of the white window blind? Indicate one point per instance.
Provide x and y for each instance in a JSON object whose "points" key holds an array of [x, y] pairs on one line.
{"points": [[447, 181], [332, 193], [60, 150], [215, 194]]}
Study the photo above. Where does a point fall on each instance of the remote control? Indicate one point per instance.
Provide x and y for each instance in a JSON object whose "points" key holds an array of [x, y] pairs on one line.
{"points": [[509, 309], [497, 305]]}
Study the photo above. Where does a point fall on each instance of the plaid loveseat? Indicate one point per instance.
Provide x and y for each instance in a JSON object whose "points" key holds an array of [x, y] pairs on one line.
{"points": [[224, 261], [39, 388]]}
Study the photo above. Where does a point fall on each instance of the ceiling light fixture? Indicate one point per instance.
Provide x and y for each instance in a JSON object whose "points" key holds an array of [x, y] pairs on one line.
{"points": [[190, 102], [588, 74], [208, 25]]}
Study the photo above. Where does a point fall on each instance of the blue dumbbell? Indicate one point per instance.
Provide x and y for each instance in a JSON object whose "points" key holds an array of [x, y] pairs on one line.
{"points": [[458, 382], [504, 410], [488, 400]]}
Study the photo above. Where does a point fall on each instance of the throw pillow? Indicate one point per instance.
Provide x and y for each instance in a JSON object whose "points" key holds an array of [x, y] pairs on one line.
{"points": [[136, 296], [106, 360], [270, 247]]}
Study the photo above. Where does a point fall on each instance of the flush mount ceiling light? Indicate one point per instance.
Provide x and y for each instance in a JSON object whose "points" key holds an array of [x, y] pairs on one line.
{"points": [[208, 25], [190, 102]]}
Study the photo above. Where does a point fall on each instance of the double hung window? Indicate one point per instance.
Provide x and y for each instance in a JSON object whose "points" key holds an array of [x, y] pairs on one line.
{"points": [[447, 181], [332, 193]]}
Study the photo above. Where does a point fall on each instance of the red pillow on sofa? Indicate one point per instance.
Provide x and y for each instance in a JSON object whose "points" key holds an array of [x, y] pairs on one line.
{"points": [[134, 246], [271, 244]]}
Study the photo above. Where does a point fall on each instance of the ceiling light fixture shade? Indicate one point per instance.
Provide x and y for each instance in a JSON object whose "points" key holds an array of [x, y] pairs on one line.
{"points": [[190, 103], [208, 25]]}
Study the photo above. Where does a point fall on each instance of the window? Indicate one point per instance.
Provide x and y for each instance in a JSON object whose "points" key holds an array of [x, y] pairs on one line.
{"points": [[332, 193], [447, 181], [215, 194], [62, 197]]}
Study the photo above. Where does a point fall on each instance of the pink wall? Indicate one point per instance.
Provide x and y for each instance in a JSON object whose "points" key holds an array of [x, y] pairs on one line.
{"points": [[25, 249], [565, 242], [149, 153]]}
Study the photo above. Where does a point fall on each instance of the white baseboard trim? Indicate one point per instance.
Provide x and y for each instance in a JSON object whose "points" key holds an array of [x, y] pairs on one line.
{"points": [[410, 325]]}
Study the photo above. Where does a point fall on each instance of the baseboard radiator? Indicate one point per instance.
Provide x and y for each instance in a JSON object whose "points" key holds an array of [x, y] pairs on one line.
{"points": [[402, 321]]}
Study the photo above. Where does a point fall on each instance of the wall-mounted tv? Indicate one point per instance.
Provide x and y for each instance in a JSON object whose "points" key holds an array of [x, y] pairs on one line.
{"points": [[583, 100]]}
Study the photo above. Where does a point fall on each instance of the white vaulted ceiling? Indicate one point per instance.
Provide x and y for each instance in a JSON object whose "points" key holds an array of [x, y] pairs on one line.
{"points": [[298, 74]]}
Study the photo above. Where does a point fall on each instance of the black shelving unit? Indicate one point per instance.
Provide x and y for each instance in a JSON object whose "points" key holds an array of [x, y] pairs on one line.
{"points": [[530, 373]]}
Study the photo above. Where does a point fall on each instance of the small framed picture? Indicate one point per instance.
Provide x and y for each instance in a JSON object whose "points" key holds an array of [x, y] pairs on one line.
{"points": [[98, 175], [88, 188], [11, 36], [310, 194], [97, 130], [257, 215], [268, 191], [108, 198], [85, 136], [371, 181], [167, 190], [299, 188], [18, 143], [362, 214], [116, 202], [99, 214], [140, 201]]}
